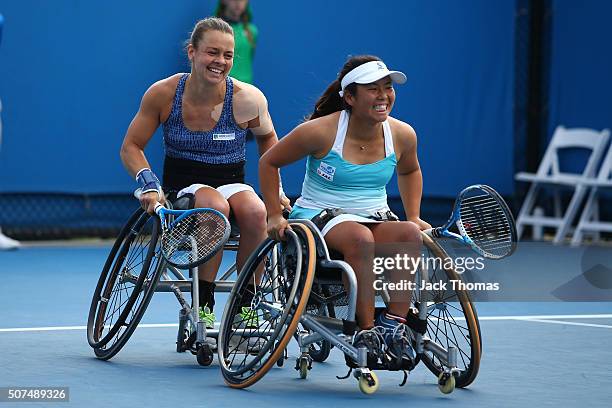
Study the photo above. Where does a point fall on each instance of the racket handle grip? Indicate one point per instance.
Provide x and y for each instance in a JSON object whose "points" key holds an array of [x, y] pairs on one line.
{"points": [[158, 208], [436, 232]]}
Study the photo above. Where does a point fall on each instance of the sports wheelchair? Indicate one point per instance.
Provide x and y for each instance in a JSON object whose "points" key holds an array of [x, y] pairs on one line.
{"points": [[133, 271], [300, 295]]}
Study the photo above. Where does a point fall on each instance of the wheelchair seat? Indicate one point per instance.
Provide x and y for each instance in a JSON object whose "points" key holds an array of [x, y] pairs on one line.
{"points": [[327, 274]]}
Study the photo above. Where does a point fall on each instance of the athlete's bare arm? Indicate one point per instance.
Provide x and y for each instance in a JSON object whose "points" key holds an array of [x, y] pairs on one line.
{"points": [[409, 176], [154, 108]]}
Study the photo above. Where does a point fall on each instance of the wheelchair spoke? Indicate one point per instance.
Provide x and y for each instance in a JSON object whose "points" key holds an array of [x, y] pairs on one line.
{"points": [[254, 335], [121, 290], [139, 252], [454, 321]]}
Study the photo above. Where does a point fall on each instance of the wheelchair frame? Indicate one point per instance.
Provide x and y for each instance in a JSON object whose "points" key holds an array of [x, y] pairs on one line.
{"points": [[159, 276], [339, 333]]}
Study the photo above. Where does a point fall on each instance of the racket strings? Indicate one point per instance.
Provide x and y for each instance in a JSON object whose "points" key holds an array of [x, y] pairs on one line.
{"points": [[194, 237], [486, 224]]}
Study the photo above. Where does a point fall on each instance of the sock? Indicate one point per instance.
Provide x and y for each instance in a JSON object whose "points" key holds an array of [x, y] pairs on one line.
{"points": [[395, 317], [207, 294]]}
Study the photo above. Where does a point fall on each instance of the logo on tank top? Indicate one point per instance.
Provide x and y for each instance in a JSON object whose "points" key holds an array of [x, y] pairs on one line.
{"points": [[224, 136], [326, 171]]}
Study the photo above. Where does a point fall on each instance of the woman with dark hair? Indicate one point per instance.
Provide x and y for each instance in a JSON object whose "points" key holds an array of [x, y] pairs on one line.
{"points": [[353, 146], [205, 116], [238, 14]]}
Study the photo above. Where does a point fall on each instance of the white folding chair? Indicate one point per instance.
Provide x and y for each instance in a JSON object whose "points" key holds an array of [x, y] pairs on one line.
{"points": [[549, 174], [589, 219]]}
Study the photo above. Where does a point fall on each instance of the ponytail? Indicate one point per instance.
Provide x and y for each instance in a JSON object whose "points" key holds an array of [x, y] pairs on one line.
{"points": [[331, 101]]}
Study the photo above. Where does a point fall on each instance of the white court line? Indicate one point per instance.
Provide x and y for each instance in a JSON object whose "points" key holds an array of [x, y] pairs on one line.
{"points": [[545, 317], [605, 326], [59, 328], [535, 318]]}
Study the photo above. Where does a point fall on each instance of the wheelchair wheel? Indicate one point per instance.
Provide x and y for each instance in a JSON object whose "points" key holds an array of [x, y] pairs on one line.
{"points": [[451, 319], [117, 302], [320, 350], [253, 337]]}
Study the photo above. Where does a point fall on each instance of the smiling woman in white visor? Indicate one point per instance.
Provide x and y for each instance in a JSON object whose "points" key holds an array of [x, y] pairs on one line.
{"points": [[353, 146], [368, 73]]}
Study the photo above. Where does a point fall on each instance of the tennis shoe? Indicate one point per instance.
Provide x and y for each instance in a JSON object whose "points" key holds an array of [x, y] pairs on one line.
{"points": [[398, 340], [207, 317], [8, 243], [373, 340]]}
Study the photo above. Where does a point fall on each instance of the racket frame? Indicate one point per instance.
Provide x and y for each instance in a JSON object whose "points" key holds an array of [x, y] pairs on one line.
{"points": [[455, 219], [163, 213]]}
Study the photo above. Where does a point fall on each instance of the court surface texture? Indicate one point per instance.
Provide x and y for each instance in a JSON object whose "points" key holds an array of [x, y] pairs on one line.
{"points": [[535, 353]]}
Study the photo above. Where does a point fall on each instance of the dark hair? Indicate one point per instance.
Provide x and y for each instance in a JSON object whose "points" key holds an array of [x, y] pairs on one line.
{"points": [[331, 101], [207, 24], [245, 18]]}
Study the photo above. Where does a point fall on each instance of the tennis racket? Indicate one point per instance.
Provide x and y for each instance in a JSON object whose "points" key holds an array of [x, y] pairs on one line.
{"points": [[484, 221], [190, 237]]}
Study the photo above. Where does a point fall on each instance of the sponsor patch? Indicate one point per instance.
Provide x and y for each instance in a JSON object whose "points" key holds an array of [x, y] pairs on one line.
{"points": [[326, 171], [224, 136]]}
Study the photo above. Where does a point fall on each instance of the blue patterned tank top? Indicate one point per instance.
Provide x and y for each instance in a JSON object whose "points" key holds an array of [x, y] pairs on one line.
{"points": [[224, 144]]}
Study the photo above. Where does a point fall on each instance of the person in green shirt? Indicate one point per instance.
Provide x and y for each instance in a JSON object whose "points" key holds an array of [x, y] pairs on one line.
{"points": [[238, 14]]}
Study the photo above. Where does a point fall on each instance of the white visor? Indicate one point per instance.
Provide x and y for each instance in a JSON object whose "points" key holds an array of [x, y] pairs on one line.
{"points": [[370, 72]]}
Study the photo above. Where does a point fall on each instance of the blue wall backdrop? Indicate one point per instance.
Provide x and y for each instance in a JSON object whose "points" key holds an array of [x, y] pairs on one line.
{"points": [[72, 74], [581, 65]]}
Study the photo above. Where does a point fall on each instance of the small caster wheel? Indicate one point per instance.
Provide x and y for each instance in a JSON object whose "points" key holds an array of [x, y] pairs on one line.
{"points": [[303, 364], [368, 382], [204, 355], [446, 383], [303, 368]]}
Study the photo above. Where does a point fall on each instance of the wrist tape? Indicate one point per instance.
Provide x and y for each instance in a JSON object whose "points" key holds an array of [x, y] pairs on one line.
{"points": [[148, 181]]}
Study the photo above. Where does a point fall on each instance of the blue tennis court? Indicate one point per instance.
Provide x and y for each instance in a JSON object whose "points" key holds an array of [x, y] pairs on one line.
{"points": [[534, 353], [370, 111]]}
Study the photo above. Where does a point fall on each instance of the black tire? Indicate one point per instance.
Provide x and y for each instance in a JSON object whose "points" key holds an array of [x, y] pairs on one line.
{"points": [[135, 255], [112, 300], [320, 350], [451, 320], [284, 288]]}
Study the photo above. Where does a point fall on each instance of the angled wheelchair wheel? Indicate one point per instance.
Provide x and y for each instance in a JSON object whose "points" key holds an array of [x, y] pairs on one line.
{"points": [[116, 307], [257, 325], [451, 319]]}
